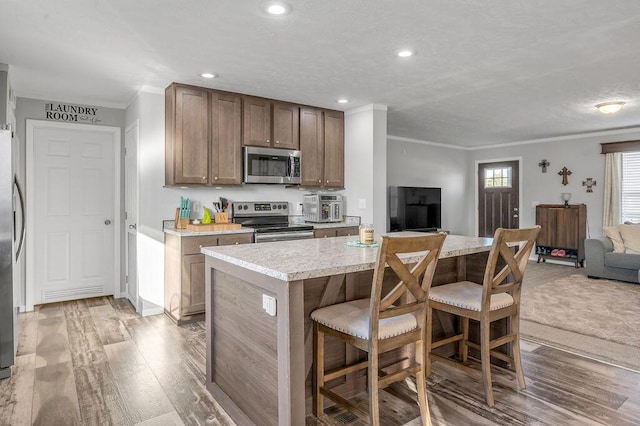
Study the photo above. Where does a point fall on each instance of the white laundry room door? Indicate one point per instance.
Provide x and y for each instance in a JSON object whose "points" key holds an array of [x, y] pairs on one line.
{"points": [[73, 199]]}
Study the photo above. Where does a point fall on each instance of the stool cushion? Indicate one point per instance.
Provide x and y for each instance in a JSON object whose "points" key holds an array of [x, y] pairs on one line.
{"points": [[467, 295], [352, 318]]}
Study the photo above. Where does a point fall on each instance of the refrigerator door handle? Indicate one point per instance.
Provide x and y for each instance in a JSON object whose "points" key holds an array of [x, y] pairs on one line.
{"points": [[24, 229]]}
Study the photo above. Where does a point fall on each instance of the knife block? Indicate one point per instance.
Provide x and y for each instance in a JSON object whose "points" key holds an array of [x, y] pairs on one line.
{"points": [[181, 223], [222, 218]]}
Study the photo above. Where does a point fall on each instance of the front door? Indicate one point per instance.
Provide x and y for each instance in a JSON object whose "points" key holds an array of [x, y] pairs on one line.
{"points": [[498, 197], [73, 214]]}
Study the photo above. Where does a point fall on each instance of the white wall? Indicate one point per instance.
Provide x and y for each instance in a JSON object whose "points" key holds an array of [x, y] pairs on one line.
{"points": [[365, 162], [580, 154], [421, 164]]}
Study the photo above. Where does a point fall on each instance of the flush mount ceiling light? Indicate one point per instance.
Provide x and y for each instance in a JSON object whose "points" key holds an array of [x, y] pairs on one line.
{"points": [[342, 101], [609, 107], [209, 75], [405, 53], [276, 8]]}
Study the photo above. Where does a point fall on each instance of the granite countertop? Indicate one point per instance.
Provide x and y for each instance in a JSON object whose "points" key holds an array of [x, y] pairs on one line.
{"points": [[169, 227], [325, 256], [189, 233]]}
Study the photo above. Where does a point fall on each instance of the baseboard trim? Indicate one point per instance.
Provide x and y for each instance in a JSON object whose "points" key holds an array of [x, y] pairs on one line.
{"points": [[152, 311]]}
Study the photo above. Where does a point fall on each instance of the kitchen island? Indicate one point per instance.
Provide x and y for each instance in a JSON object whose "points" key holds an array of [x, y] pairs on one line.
{"points": [[258, 364]]}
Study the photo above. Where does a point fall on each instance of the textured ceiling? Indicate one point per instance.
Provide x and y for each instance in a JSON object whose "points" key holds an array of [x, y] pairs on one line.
{"points": [[485, 72]]}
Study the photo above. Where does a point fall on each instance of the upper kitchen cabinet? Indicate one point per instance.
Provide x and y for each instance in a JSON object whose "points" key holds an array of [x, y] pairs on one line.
{"points": [[333, 149], [270, 123], [226, 138], [286, 126], [322, 146], [203, 136], [187, 133]]}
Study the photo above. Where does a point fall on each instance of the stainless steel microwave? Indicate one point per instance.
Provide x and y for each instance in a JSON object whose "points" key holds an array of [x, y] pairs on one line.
{"points": [[268, 165]]}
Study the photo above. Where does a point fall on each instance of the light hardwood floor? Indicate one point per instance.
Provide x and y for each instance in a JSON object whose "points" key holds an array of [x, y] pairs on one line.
{"points": [[95, 362]]}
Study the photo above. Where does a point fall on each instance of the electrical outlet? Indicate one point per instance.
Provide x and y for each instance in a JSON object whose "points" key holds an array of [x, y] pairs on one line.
{"points": [[269, 304], [196, 207], [299, 208]]}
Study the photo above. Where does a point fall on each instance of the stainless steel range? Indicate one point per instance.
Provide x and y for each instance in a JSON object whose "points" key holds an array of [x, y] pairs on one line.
{"points": [[270, 219]]}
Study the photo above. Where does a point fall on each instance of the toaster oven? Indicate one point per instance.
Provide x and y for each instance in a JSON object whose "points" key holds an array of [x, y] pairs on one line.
{"points": [[322, 208]]}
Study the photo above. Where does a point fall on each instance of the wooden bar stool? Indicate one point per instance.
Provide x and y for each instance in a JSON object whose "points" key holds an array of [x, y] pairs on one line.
{"points": [[380, 324], [497, 298]]}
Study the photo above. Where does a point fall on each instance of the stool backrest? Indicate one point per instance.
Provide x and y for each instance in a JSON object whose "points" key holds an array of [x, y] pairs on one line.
{"points": [[509, 277], [411, 292]]}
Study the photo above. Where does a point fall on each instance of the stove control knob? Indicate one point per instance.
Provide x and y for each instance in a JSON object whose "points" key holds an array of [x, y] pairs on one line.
{"points": [[246, 207], [284, 207], [275, 206], [239, 207]]}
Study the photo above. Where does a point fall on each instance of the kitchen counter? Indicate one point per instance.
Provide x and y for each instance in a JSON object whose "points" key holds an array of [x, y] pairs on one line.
{"points": [[189, 233], [326, 256], [258, 364]]}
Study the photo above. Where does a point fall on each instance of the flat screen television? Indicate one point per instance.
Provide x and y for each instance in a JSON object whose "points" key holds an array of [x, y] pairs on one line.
{"points": [[413, 208]]}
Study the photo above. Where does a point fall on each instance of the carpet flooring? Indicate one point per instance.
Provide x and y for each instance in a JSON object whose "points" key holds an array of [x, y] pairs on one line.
{"points": [[561, 307]]}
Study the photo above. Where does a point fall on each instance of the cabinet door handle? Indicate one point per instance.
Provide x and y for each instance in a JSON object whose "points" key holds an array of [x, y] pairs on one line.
{"points": [[204, 178], [277, 141], [319, 181], [200, 245], [327, 181], [237, 242], [215, 178], [268, 140]]}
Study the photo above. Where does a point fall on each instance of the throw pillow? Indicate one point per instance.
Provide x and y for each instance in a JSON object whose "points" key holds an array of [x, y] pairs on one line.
{"points": [[631, 237], [614, 235]]}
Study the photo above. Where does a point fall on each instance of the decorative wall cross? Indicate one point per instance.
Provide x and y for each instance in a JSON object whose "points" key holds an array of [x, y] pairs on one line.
{"points": [[589, 183], [565, 175], [544, 164]]}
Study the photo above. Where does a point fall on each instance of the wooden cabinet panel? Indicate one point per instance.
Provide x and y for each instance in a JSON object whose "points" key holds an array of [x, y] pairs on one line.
{"points": [[347, 232], [187, 135], [227, 240], [324, 233], [322, 146], [192, 245], [184, 277], [333, 149], [192, 284], [226, 138], [335, 232], [563, 232], [256, 117], [286, 126], [311, 146]]}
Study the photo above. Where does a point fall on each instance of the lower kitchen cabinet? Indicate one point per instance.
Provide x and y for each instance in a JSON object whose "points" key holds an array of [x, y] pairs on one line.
{"points": [[335, 232], [184, 272]]}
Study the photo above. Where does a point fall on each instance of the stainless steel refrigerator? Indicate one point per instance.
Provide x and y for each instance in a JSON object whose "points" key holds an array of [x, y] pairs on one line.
{"points": [[11, 239]]}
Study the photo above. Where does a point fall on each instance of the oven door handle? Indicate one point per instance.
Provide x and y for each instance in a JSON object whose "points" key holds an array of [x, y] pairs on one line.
{"points": [[283, 236]]}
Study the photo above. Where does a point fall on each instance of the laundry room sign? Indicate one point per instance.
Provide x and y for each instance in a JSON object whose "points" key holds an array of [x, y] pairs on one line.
{"points": [[72, 113]]}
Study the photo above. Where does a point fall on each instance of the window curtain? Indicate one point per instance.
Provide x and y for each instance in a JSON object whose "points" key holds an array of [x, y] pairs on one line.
{"points": [[612, 189]]}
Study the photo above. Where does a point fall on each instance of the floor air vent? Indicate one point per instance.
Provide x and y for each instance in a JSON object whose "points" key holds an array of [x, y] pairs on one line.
{"points": [[55, 294]]}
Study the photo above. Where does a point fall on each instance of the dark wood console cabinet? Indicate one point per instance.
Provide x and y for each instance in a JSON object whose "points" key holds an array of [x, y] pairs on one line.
{"points": [[563, 232]]}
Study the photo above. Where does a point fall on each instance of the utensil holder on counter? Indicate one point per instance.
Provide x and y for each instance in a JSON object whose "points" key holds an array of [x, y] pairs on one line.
{"points": [[181, 222], [222, 218]]}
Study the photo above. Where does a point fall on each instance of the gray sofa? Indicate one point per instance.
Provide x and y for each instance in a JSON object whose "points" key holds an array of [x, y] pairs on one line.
{"points": [[602, 262]]}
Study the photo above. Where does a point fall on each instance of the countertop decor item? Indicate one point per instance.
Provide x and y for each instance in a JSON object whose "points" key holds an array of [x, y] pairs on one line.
{"points": [[206, 216], [366, 234], [361, 245]]}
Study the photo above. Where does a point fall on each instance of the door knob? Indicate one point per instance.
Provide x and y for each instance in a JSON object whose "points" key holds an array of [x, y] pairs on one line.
{"points": [[107, 222], [133, 226]]}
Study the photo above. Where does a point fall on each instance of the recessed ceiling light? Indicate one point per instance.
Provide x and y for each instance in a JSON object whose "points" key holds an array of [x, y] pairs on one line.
{"points": [[209, 75], [276, 8], [405, 53], [342, 101], [610, 107]]}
